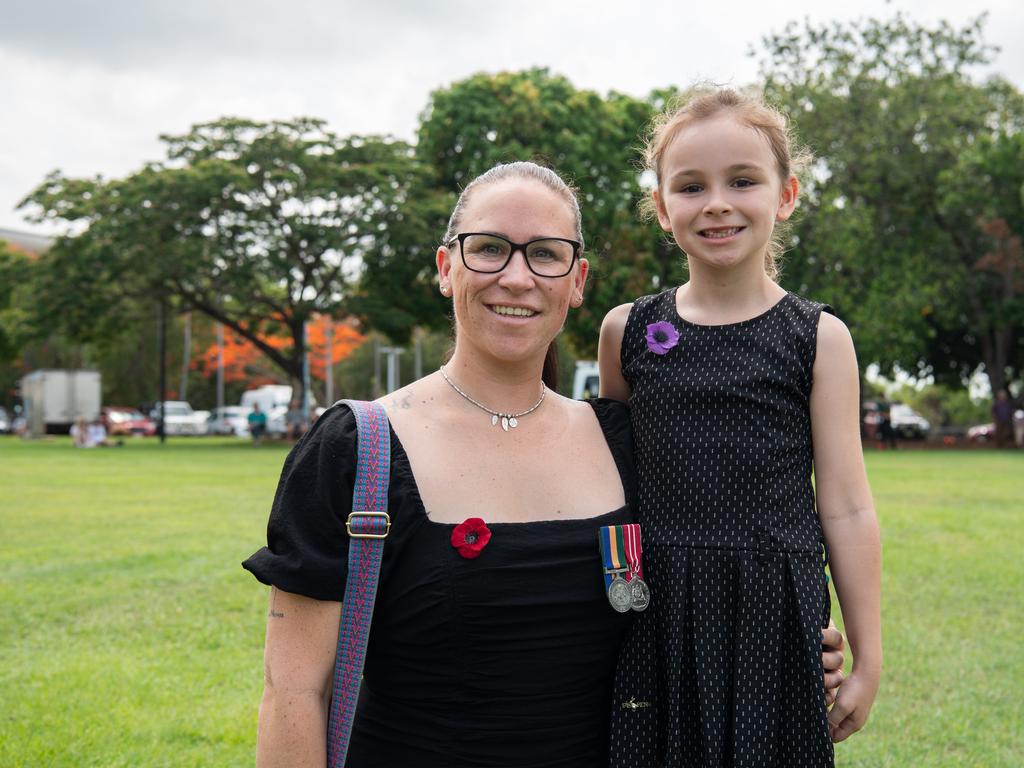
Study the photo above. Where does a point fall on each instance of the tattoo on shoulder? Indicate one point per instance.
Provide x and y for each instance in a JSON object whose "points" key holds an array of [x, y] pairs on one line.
{"points": [[402, 403]]}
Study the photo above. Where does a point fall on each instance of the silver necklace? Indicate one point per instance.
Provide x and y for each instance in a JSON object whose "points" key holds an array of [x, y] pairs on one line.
{"points": [[508, 420]]}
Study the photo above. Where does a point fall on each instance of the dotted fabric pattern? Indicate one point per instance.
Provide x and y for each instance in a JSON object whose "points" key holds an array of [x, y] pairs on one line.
{"points": [[726, 663]]}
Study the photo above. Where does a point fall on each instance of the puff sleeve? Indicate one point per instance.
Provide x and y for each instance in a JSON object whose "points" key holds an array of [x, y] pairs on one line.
{"points": [[307, 545]]}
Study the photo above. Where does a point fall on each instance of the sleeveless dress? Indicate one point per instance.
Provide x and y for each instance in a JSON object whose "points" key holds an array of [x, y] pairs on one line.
{"points": [[725, 669], [503, 660]]}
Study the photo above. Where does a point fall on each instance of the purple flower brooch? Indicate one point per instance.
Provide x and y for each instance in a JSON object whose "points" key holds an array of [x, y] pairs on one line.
{"points": [[661, 337]]}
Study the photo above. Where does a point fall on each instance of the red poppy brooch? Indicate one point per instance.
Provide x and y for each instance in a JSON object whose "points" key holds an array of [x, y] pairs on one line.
{"points": [[470, 537]]}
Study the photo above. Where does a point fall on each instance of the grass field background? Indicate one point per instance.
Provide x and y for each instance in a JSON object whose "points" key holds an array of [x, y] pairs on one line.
{"points": [[130, 636]]}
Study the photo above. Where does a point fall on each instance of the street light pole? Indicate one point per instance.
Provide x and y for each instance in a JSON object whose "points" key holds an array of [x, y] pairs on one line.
{"points": [[220, 369], [329, 363], [305, 371], [163, 369]]}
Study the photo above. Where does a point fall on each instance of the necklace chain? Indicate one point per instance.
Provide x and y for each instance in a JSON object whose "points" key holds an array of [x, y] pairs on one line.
{"points": [[508, 420]]}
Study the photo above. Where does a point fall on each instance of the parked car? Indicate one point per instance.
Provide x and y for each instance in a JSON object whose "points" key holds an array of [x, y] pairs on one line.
{"points": [[871, 419], [908, 423], [180, 419], [5, 422], [904, 421], [120, 420], [229, 420], [982, 433]]}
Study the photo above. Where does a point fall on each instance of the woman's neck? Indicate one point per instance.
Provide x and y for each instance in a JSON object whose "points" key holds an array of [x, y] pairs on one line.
{"points": [[500, 385]]}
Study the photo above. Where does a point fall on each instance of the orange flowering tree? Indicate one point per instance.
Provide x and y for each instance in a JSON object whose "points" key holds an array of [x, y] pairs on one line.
{"points": [[245, 361]]}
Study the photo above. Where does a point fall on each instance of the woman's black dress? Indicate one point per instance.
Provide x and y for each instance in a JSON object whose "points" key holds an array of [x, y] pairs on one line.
{"points": [[503, 660]]}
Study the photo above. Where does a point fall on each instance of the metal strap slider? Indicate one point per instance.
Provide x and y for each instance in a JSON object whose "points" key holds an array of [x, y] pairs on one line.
{"points": [[361, 513]]}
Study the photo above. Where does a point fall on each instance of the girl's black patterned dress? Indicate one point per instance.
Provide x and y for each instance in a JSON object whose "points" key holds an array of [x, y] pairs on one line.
{"points": [[724, 668]]}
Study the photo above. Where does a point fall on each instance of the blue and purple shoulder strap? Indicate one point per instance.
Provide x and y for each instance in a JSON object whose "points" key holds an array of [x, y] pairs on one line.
{"points": [[368, 525]]}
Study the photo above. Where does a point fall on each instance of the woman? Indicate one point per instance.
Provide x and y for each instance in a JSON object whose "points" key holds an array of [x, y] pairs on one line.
{"points": [[502, 659]]}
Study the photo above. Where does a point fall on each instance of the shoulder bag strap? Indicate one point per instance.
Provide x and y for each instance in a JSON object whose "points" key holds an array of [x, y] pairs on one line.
{"points": [[367, 525]]}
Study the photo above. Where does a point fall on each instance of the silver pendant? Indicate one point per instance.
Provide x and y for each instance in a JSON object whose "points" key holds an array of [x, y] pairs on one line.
{"points": [[619, 595], [504, 423], [513, 422], [640, 594], [494, 419]]}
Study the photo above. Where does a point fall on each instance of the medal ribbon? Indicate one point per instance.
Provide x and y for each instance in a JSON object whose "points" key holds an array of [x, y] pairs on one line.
{"points": [[613, 552], [634, 551]]}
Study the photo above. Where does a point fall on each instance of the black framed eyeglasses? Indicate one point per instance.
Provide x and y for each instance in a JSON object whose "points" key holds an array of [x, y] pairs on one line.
{"points": [[545, 256]]}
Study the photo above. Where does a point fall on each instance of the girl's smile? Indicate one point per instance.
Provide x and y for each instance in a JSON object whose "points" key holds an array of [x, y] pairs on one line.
{"points": [[720, 234]]}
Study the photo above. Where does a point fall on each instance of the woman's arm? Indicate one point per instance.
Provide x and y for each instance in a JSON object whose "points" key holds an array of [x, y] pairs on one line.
{"points": [[848, 519], [609, 354], [298, 662]]}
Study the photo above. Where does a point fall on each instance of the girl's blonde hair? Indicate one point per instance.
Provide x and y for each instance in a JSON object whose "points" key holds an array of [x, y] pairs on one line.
{"points": [[791, 158]]}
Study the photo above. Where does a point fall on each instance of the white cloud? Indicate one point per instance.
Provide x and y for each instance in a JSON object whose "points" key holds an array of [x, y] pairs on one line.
{"points": [[89, 86]]}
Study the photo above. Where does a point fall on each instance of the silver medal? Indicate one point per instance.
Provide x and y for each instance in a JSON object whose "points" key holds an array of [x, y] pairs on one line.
{"points": [[619, 595], [640, 594]]}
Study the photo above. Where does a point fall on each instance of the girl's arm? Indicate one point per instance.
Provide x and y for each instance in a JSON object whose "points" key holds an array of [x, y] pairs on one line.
{"points": [[848, 520], [302, 637], [609, 354]]}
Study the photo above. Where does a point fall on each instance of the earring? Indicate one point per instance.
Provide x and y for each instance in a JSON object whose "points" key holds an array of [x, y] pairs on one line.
{"points": [[444, 289]]}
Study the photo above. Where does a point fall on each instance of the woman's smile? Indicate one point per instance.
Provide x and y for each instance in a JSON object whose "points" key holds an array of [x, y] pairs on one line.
{"points": [[512, 311]]}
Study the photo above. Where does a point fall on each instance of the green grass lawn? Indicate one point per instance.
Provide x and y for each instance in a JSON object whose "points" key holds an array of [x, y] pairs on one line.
{"points": [[130, 636]]}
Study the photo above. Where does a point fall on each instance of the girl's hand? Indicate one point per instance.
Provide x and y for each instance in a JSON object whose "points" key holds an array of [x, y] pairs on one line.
{"points": [[832, 643], [853, 703]]}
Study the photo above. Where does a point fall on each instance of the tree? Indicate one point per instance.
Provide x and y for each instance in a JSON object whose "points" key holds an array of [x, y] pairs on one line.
{"points": [[889, 107], [14, 272], [590, 139], [259, 226], [982, 198]]}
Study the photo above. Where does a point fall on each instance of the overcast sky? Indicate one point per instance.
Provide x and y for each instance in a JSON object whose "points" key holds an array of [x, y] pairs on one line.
{"points": [[87, 87]]}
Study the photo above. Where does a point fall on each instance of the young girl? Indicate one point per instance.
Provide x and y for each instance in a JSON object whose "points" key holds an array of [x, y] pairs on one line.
{"points": [[736, 389]]}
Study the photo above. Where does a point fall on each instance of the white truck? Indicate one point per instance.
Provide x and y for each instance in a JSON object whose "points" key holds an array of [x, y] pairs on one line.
{"points": [[585, 381], [55, 399], [273, 400]]}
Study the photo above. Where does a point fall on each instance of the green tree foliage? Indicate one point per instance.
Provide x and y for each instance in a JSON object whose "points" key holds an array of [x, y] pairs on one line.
{"points": [[256, 225], [592, 140], [982, 199], [889, 107], [14, 271]]}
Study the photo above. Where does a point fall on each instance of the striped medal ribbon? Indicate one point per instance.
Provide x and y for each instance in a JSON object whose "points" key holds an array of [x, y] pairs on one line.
{"points": [[621, 560], [639, 592]]}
